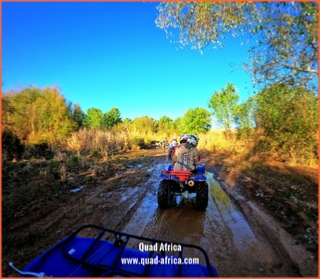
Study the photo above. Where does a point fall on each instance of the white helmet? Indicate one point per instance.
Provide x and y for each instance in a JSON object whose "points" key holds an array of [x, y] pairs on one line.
{"points": [[184, 138], [193, 139]]}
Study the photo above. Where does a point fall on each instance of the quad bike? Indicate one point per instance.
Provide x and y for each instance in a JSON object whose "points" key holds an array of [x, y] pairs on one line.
{"points": [[78, 255], [183, 182]]}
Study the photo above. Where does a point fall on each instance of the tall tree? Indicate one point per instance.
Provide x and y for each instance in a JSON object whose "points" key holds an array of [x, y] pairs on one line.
{"points": [[244, 118], [285, 34], [165, 124], [224, 106], [111, 118], [7, 112], [195, 121], [39, 115], [94, 118], [144, 125], [78, 115], [54, 115], [288, 117]]}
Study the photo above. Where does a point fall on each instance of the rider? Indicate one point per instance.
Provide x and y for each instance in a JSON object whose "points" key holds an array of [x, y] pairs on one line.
{"points": [[173, 144], [186, 157], [183, 140], [165, 143]]}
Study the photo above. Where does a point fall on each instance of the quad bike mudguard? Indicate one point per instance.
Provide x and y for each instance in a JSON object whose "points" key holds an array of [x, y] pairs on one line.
{"points": [[179, 176]]}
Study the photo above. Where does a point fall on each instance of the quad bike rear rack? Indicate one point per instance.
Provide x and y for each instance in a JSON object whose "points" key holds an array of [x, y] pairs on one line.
{"points": [[80, 256]]}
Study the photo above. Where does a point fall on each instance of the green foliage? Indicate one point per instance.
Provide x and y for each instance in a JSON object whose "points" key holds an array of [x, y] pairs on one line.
{"points": [[244, 119], [11, 146], [53, 164], [111, 118], [41, 150], [165, 123], [37, 115], [195, 121], [94, 118], [96, 153], [78, 115], [7, 112], [286, 34], [224, 106], [289, 119], [144, 125], [139, 142], [74, 160]]}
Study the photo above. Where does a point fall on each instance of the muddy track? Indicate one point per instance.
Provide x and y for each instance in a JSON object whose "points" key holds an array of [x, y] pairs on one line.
{"points": [[239, 238]]}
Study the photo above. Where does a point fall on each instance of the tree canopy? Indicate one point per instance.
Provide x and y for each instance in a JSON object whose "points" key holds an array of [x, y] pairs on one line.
{"points": [[94, 118], [285, 34], [144, 124], [111, 118], [195, 121], [289, 119], [224, 105], [37, 115]]}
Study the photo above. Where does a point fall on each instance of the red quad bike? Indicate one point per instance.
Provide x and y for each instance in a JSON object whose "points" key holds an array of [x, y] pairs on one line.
{"points": [[182, 183]]}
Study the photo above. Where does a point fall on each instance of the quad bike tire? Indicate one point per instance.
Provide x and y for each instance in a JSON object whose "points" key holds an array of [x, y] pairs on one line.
{"points": [[164, 194], [201, 196]]}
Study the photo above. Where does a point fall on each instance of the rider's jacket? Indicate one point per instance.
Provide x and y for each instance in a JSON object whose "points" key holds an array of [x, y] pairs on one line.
{"points": [[185, 158]]}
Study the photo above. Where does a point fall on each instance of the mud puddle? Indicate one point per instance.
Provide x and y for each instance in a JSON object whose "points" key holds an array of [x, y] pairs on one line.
{"points": [[236, 243]]}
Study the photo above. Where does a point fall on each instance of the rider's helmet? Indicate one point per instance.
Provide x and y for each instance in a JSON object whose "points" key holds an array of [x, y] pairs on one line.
{"points": [[174, 138], [184, 138], [193, 139]]}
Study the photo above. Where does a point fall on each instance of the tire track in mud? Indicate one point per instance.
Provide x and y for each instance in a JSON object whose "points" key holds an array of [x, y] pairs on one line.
{"points": [[266, 252], [124, 213], [275, 255], [238, 242]]}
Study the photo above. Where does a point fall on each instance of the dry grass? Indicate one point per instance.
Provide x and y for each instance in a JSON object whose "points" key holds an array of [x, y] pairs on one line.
{"points": [[215, 141], [106, 143], [98, 141]]}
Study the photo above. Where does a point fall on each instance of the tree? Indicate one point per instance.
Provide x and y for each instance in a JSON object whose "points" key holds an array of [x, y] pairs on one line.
{"points": [[244, 118], [224, 106], [144, 125], [7, 112], [55, 119], [165, 124], [94, 118], [77, 115], [195, 121], [38, 115], [177, 123], [288, 117], [286, 34], [111, 118]]}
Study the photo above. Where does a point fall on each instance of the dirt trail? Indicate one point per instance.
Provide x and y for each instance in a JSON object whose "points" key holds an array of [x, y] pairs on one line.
{"points": [[240, 239]]}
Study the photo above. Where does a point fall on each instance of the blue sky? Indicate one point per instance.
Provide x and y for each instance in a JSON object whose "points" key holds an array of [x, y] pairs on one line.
{"points": [[106, 55]]}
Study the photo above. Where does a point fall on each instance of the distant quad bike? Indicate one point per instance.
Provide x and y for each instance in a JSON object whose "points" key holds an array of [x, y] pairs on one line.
{"points": [[177, 183], [165, 144]]}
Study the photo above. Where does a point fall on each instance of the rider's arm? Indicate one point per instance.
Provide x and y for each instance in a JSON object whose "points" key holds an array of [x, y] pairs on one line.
{"points": [[174, 156], [195, 157]]}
